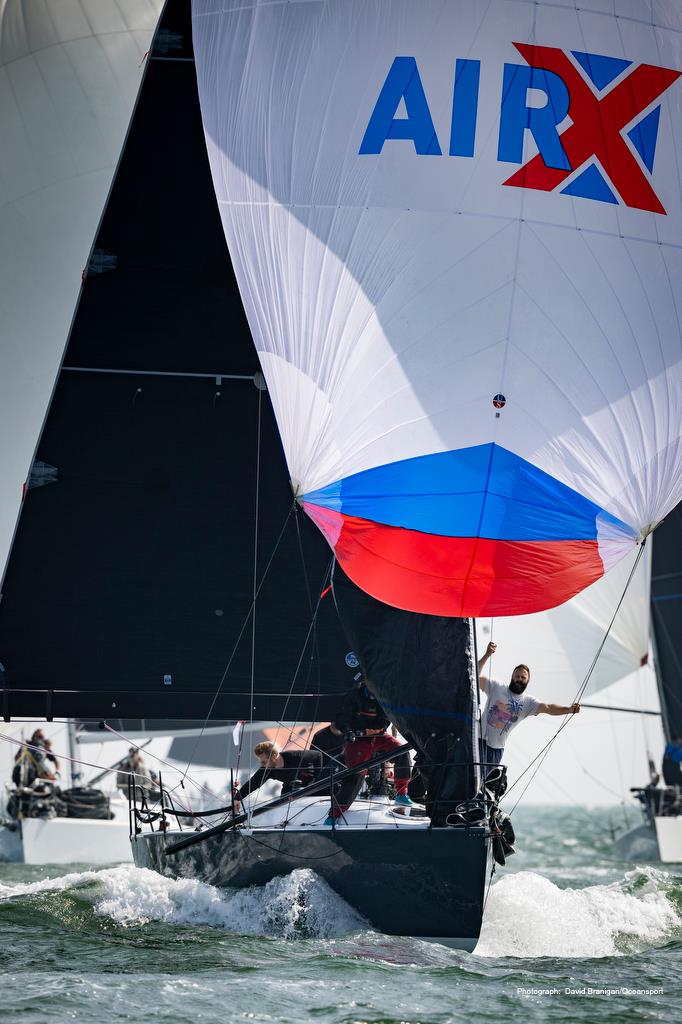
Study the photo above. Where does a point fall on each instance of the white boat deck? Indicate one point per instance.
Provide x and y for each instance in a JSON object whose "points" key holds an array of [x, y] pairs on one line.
{"points": [[311, 813]]}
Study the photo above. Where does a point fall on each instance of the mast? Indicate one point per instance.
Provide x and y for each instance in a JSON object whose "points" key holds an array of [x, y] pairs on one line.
{"points": [[659, 678], [666, 608]]}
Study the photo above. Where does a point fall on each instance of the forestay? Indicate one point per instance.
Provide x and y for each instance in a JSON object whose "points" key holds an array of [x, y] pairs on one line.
{"points": [[456, 230]]}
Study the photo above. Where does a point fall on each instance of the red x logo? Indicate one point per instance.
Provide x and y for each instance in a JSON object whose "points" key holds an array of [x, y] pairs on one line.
{"points": [[597, 126]]}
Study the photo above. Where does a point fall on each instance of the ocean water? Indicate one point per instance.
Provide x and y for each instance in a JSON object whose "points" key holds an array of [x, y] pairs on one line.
{"points": [[570, 934]]}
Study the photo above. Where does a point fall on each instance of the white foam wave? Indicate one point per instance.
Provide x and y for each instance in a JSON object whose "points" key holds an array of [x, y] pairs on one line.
{"points": [[74, 880], [529, 916], [298, 905], [526, 915]]}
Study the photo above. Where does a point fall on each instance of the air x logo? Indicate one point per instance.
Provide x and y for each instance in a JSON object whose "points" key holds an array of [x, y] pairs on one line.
{"points": [[596, 134]]}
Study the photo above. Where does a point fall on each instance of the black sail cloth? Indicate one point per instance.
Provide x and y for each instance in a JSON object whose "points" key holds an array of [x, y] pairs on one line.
{"points": [[666, 605], [131, 577], [422, 670]]}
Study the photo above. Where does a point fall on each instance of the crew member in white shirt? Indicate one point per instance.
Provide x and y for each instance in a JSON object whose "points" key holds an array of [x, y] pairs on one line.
{"points": [[508, 704]]}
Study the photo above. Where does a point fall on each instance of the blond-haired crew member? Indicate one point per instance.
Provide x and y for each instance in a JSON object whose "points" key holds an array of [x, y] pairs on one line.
{"points": [[286, 766]]}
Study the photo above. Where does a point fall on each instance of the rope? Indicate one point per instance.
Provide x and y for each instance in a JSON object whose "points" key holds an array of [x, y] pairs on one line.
{"points": [[300, 660], [487, 891], [156, 757], [73, 760], [540, 757]]}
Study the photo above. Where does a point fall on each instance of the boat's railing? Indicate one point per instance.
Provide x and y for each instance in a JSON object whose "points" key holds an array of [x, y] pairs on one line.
{"points": [[467, 811], [659, 802]]}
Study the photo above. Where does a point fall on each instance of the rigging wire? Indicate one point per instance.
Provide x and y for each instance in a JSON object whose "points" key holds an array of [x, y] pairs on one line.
{"points": [[304, 647], [540, 757], [607, 789], [150, 753], [614, 738], [315, 651], [239, 637], [314, 648], [65, 757], [255, 559], [255, 574]]}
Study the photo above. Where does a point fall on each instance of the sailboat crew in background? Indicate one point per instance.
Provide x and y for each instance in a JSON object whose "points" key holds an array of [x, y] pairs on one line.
{"points": [[31, 759], [507, 706], [672, 762]]}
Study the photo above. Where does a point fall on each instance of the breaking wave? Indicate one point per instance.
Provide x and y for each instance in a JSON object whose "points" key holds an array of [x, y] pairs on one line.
{"points": [[299, 905], [529, 916]]}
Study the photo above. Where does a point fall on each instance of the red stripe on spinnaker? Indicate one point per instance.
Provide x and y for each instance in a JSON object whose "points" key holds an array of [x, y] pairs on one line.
{"points": [[457, 576]]}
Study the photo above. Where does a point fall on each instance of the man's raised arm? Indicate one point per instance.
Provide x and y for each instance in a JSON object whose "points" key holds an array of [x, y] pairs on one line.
{"points": [[489, 651]]}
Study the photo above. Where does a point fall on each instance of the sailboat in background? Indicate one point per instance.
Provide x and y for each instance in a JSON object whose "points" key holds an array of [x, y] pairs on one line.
{"points": [[60, 818], [443, 370], [69, 76], [660, 837]]}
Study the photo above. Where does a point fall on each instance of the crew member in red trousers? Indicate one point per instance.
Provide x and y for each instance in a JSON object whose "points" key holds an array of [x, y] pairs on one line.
{"points": [[363, 723]]}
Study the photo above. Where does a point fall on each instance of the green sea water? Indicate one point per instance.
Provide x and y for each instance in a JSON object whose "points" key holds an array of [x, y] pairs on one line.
{"points": [[570, 934]]}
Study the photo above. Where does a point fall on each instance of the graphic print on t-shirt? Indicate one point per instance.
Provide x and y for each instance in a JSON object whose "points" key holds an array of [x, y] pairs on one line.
{"points": [[503, 714], [504, 711]]}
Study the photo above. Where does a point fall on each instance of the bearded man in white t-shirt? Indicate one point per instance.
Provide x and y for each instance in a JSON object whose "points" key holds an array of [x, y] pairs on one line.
{"points": [[507, 706]]}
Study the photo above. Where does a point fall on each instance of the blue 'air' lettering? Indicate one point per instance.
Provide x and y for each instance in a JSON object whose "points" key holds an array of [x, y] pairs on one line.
{"points": [[586, 157], [402, 83], [464, 107], [516, 115]]}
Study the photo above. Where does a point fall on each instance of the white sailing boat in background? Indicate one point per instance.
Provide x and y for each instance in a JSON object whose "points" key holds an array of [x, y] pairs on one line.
{"points": [[61, 820], [69, 77]]}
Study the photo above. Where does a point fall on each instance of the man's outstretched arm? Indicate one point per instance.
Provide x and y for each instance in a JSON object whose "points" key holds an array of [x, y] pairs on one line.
{"points": [[558, 709]]}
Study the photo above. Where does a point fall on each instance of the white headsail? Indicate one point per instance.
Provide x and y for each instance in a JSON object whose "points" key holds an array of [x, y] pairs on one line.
{"points": [[69, 76]]}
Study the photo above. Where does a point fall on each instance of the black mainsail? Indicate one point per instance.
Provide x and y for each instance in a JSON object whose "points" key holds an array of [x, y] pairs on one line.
{"points": [[130, 581]]}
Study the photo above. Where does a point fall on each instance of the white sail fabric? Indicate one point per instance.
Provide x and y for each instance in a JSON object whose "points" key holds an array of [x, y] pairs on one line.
{"points": [[560, 645], [398, 282], [69, 75]]}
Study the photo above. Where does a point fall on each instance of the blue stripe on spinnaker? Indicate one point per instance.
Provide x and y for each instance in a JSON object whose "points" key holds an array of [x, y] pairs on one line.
{"points": [[483, 491]]}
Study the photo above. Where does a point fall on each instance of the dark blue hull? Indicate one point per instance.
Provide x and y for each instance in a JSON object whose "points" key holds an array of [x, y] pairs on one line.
{"points": [[427, 883]]}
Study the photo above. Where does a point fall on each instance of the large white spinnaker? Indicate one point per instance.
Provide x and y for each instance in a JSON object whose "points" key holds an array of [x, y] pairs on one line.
{"points": [[465, 298]]}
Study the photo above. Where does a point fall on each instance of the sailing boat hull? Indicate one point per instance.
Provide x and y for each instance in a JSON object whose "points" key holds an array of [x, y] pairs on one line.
{"points": [[426, 883], [661, 841]]}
